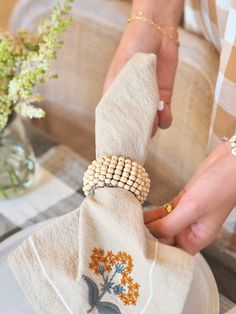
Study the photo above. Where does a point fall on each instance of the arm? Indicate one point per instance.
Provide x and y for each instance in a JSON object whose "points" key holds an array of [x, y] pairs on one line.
{"points": [[142, 37]]}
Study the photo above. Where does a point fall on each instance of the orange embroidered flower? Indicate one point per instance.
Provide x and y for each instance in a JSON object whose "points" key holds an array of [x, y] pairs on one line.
{"points": [[120, 263]]}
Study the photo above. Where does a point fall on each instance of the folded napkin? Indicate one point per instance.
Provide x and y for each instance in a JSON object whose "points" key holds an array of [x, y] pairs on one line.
{"points": [[100, 258]]}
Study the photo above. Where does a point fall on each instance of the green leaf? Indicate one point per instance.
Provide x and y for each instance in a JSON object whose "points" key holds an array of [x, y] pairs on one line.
{"points": [[93, 292], [108, 308]]}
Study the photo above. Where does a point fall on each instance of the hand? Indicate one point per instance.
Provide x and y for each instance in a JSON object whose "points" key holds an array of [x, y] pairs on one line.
{"points": [[142, 37], [202, 207]]}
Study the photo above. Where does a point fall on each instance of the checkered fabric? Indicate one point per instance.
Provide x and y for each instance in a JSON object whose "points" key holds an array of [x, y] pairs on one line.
{"points": [[57, 191], [215, 20]]}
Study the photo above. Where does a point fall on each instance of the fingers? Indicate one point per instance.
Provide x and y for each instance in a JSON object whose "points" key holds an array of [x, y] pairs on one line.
{"points": [[182, 216], [160, 212], [154, 214], [166, 69]]}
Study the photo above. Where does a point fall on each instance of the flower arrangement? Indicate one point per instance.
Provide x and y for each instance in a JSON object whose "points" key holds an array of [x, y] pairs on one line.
{"points": [[25, 60], [115, 270]]}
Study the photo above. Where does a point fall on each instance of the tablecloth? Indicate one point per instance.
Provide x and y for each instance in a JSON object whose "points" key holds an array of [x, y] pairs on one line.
{"points": [[56, 191]]}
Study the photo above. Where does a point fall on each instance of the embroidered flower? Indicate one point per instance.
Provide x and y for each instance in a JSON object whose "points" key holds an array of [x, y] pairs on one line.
{"points": [[112, 268]]}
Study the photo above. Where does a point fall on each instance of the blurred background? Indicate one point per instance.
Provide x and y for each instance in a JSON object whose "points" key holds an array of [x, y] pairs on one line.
{"points": [[5, 10]]}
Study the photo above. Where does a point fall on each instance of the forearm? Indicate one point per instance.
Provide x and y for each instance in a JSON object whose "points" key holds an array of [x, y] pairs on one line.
{"points": [[170, 11]]}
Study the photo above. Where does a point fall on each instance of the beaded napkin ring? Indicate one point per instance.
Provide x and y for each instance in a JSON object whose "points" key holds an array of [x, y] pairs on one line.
{"points": [[116, 171]]}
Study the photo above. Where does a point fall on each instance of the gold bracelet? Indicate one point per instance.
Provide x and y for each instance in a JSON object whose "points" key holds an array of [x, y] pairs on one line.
{"points": [[156, 24], [232, 142]]}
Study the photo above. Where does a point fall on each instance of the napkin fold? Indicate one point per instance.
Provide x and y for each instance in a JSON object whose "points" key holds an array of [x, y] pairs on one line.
{"points": [[100, 258]]}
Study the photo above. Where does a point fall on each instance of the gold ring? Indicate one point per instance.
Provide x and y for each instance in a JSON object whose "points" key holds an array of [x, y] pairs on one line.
{"points": [[169, 207]]}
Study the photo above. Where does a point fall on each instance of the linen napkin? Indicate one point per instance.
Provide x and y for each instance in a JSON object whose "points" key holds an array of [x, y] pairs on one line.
{"points": [[100, 258]]}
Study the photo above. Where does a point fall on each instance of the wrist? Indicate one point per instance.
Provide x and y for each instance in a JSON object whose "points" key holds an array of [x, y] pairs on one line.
{"points": [[169, 11]]}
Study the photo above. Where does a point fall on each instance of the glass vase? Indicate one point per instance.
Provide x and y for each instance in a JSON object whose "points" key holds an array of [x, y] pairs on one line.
{"points": [[17, 160]]}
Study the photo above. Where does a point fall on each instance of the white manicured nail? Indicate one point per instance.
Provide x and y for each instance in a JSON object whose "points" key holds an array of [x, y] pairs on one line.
{"points": [[161, 105]]}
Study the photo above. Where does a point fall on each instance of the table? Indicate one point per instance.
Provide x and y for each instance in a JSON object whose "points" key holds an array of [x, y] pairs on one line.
{"points": [[58, 190]]}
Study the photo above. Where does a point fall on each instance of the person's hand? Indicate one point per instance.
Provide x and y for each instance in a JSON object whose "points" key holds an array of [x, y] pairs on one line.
{"points": [[202, 207], [142, 37]]}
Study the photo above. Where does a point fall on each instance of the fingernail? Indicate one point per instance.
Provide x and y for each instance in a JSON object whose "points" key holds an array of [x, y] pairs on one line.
{"points": [[161, 105]]}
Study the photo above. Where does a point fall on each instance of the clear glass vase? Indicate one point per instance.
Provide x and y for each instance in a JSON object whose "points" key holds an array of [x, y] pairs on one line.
{"points": [[17, 160]]}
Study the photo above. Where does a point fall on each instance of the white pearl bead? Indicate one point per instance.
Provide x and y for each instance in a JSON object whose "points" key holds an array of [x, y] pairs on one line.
{"points": [[91, 183], [131, 177], [107, 181], [114, 182], [138, 180], [133, 173], [96, 175], [112, 165], [102, 178], [116, 177], [135, 185], [110, 170], [140, 188], [123, 179], [101, 184], [137, 192], [103, 172], [119, 167], [104, 168], [109, 175], [95, 181], [130, 183], [128, 166], [128, 161], [119, 172], [126, 187], [121, 184], [132, 189], [134, 163], [125, 174], [122, 159]]}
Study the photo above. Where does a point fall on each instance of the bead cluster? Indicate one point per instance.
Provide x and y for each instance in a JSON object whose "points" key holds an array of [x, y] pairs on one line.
{"points": [[232, 142], [119, 172]]}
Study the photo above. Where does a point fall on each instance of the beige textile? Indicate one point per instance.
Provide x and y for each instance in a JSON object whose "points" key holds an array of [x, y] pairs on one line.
{"points": [[65, 266], [215, 20]]}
